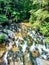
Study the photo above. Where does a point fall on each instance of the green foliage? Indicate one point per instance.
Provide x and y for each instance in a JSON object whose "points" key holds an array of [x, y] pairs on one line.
{"points": [[47, 40], [3, 19], [37, 24], [37, 11], [32, 17], [40, 16], [45, 2], [44, 30], [15, 15], [2, 38], [16, 10]]}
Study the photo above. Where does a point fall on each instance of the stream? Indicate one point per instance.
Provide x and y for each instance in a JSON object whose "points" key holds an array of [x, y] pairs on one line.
{"points": [[30, 49]]}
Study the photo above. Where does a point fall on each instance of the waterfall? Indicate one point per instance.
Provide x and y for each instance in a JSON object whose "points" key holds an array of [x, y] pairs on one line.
{"points": [[38, 61], [17, 41], [5, 58], [31, 33], [40, 48], [34, 37], [24, 46], [32, 47]]}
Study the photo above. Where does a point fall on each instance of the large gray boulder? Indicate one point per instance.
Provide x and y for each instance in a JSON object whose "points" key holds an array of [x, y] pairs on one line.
{"points": [[10, 33]]}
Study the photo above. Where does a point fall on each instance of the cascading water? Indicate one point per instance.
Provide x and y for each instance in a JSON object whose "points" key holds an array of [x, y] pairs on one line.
{"points": [[17, 41], [38, 61], [32, 47], [5, 58], [34, 36], [24, 46]]}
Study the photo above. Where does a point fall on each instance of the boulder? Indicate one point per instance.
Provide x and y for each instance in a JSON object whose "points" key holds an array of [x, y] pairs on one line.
{"points": [[10, 33]]}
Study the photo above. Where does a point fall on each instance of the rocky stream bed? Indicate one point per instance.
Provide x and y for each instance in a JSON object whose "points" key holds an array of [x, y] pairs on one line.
{"points": [[23, 45]]}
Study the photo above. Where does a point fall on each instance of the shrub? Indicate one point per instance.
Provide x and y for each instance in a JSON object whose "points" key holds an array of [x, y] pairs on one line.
{"points": [[47, 40], [3, 19]]}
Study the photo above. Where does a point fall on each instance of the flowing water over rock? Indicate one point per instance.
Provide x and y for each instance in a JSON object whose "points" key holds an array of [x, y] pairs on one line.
{"points": [[26, 47]]}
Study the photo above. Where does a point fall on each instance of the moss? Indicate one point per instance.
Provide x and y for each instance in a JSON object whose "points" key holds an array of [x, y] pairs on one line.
{"points": [[2, 38]]}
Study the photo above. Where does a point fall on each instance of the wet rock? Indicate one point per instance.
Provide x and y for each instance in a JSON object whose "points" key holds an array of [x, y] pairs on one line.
{"points": [[13, 27], [27, 58], [2, 63], [2, 50], [10, 33], [6, 36]]}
